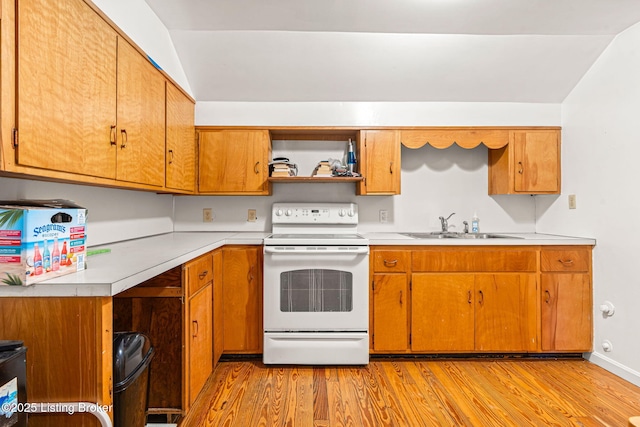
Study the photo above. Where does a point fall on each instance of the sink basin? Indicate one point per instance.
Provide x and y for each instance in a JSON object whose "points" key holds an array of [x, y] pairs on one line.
{"points": [[452, 235]]}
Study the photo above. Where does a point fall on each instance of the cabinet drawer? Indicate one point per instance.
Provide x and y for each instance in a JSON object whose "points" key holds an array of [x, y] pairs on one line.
{"points": [[565, 259], [391, 261], [199, 273], [469, 260]]}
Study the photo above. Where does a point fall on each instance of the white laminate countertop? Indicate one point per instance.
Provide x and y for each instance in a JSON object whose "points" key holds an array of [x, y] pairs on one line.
{"points": [[131, 262]]}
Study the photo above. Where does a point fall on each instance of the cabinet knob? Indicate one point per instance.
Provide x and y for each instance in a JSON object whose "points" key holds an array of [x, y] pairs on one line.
{"points": [[520, 168], [255, 168], [195, 328], [203, 274], [566, 262], [390, 263], [125, 138], [112, 135]]}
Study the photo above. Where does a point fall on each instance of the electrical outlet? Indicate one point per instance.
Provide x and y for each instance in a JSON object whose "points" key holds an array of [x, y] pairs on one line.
{"points": [[384, 216], [252, 216], [572, 201], [207, 215]]}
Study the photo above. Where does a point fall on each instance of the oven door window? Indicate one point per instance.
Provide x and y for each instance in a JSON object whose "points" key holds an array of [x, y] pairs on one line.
{"points": [[316, 290]]}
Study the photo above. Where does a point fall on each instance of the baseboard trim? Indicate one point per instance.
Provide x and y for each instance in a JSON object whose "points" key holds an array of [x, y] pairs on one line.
{"points": [[614, 367]]}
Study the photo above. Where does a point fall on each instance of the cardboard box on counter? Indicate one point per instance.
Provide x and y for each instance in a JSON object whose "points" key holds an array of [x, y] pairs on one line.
{"points": [[40, 239]]}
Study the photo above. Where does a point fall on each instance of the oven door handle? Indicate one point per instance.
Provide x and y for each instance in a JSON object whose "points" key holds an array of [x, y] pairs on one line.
{"points": [[298, 251]]}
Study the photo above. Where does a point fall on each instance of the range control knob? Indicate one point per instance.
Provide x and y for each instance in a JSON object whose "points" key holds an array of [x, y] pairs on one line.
{"points": [[289, 212], [278, 212], [351, 213], [341, 212]]}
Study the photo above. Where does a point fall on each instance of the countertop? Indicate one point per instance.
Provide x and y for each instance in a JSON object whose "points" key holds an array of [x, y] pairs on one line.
{"points": [[133, 261]]}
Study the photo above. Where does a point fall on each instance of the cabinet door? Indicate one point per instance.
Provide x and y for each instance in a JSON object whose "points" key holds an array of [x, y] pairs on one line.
{"points": [[566, 312], [442, 312], [200, 345], [181, 143], [242, 295], [66, 95], [141, 118], [380, 162], [537, 161], [234, 161], [390, 312], [218, 307], [505, 313]]}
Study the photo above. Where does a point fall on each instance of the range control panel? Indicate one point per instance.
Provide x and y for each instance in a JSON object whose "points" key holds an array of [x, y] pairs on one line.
{"points": [[313, 213]]}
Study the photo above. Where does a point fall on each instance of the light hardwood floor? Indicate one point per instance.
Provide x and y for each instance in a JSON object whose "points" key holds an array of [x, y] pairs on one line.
{"points": [[416, 392]]}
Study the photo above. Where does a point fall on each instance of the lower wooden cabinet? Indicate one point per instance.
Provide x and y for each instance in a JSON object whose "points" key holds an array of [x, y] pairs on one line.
{"points": [[242, 296], [218, 307], [200, 341], [390, 304], [442, 306], [566, 300], [466, 300]]}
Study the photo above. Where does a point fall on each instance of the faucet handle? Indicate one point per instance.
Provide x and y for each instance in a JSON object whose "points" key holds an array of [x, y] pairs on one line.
{"points": [[466, 226]]}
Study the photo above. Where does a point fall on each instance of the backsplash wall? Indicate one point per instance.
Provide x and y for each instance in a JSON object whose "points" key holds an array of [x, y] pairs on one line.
{"points": [[434, 183]]}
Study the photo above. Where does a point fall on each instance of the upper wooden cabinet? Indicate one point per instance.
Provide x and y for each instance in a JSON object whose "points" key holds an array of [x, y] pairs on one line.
{"points": [[529, 164], [85, 105], [141, 119], [234, 162], [66, 107], [380, 162], [181, 144]]}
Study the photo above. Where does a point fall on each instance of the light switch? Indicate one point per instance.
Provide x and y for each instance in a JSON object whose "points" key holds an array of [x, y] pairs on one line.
{"points": [[572, 201]]}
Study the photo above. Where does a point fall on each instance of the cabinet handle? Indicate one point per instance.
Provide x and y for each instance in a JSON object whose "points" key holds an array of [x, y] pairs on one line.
{"points": [[170, 156], [195, 324], [547, 296], [391, 168], [390, 263], [125, 138], [481, 301], [255, 168], [112, 135], [520, 169], [469, 297], [566, 262], [250, 273], [400, 297], [203, 274]]}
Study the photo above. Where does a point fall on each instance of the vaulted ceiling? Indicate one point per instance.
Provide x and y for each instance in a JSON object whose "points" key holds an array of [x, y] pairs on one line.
{"points": [[390, 50]]}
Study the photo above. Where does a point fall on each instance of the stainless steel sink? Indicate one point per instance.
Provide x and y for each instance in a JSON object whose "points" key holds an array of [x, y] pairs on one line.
{"points": [[451, 235]]}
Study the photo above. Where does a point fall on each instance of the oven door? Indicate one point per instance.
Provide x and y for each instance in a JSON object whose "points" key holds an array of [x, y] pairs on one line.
{"points": [[314, 289]]}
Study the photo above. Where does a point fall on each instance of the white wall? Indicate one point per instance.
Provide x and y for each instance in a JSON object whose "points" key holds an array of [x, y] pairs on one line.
{"points": [[601, 148], [143, 26], [113, 215]]}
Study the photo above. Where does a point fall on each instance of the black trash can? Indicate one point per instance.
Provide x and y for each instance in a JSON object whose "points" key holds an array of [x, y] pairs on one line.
{"points": [[132, 354], [13, 383]]}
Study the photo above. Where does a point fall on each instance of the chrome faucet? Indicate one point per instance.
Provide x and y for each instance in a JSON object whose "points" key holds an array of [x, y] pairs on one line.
{"points": [[444, 223]]}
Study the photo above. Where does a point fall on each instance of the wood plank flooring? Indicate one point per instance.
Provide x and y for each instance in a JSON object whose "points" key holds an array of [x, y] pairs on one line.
{"points": [[416, 392]]}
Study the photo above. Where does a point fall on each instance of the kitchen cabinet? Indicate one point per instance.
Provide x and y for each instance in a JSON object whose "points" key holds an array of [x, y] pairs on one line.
{"points": [[242, 295], [181, 144], [66, 109], [443, 312], [483, 299], [566, 300], [140, 128], [198, 275], [529, 164], [234, 162], [389, 301], [87, 105], [379, 152]]}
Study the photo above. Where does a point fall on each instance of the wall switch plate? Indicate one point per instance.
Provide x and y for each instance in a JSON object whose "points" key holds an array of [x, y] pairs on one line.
{"points": [[572, 201], [207, 215], [252, 216], [384, 216]]}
